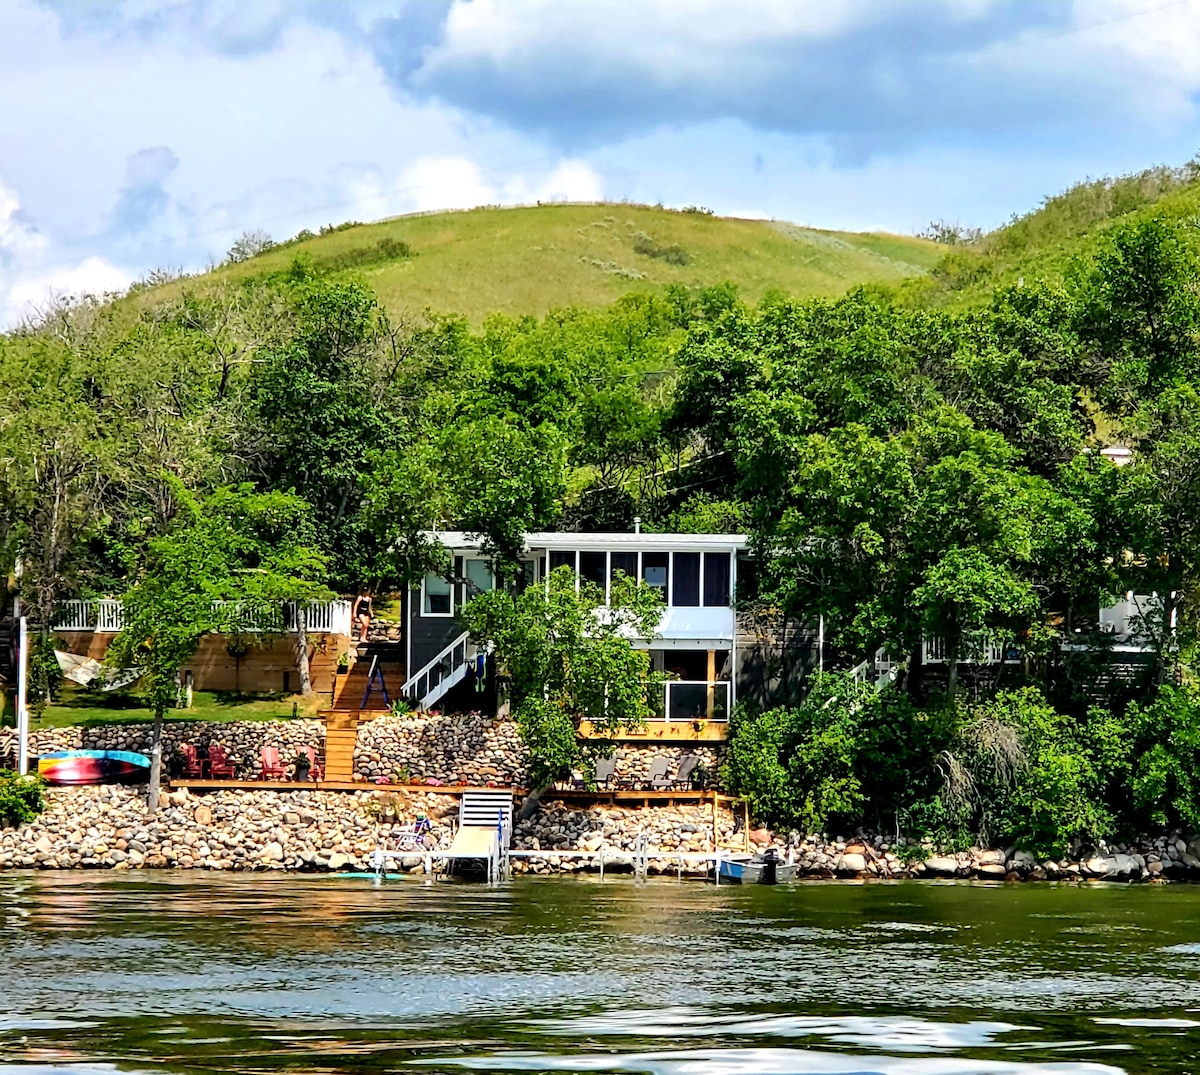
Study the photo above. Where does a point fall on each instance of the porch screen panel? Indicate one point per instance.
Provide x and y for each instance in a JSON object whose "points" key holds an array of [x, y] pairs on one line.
{"points": [[716, 579], [561, 559], [593, 568], [626, 563], [656, 570], [686, 590]]}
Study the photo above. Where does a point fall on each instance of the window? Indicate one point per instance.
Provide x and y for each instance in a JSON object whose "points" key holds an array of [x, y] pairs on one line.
{"points": [[435, 596], [593, 568], [656, 570], [624, 562], [479, 577], [685, 592], [716, 579], [561, 559]]}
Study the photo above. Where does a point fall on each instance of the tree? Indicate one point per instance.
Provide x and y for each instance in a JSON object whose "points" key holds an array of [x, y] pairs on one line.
{"points": [[226, 561], [249, 244], [570, 658]]}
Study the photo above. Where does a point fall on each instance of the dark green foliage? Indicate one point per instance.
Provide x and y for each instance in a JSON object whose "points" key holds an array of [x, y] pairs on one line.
{"points": [[21, 798], [363, 257], [672, 254], [566, 664]]}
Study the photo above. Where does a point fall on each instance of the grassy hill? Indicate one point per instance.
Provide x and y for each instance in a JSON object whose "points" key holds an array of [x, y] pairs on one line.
{"points": [[533, 259], [1045, 243]]}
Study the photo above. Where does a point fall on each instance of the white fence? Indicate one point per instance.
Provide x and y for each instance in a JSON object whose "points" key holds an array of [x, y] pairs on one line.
{"points": [[105, 616], [992, 653]]}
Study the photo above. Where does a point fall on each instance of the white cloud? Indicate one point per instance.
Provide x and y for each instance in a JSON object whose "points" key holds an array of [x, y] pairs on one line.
{"points": [[27, 282], [35, 291], [443, 183]]}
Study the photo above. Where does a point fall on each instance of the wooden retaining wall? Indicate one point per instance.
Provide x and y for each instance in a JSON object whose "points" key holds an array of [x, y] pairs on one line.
{"points": [[263, 670]]}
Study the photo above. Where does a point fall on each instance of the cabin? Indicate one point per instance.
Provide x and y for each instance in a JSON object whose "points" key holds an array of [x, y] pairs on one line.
{"points": [[698, 643]]}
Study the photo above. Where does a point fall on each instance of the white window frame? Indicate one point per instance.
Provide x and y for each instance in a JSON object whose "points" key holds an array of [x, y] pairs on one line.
{"points": [[424, 606]]}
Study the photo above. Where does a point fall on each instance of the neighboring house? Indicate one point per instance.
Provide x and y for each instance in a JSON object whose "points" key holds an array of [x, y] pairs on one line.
{"points": [[697, 643]]}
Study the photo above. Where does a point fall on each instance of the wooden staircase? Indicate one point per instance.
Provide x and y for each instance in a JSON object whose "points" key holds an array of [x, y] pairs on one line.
{"points": [[341, 735]]}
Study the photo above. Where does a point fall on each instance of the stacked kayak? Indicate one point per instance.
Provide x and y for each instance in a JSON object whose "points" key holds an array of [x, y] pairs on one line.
{"points": [[72, 767]]}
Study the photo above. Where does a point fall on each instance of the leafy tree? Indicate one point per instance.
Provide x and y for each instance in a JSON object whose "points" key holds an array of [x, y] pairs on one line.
{"points": [[226, 561], [569, 658]]}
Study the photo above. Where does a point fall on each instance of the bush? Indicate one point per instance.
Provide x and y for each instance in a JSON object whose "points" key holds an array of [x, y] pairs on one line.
{"points": [[21, 798], [673, 254], [800, 766], [1165, 772]]}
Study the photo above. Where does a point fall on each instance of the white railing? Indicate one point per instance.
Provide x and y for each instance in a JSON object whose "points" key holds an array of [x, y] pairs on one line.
{"points": [[993, 653], [105, 615], [430, 683], [332, 617], [102, 615], [689, 699]]}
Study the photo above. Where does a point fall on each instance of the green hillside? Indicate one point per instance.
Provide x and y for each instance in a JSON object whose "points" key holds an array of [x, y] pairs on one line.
{"points": [[1045, 243], [534, 259]]}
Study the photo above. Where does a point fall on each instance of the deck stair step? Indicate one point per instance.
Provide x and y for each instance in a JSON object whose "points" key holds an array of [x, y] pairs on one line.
{"points": [[341, 736]]}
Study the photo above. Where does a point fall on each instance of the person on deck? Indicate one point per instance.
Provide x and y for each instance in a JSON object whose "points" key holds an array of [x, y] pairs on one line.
{"points": [[362, 614]]}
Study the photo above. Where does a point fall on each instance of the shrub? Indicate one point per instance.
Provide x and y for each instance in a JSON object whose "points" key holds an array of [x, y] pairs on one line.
{"points": [[1165, 772], [673, 254], [21, 798], [800, 766]]}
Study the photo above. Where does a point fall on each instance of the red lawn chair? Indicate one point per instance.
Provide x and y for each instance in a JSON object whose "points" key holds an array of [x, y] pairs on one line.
{"points": [[219, 764], [272, 767], [192, 765], [315, 769]]}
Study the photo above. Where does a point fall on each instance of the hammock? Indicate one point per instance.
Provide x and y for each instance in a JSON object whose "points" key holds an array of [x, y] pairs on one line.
{"points": [[89, 672]]}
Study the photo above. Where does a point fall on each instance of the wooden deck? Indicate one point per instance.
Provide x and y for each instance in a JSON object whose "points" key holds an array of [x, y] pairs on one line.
{"points": [[324, 785], [668, 796]]}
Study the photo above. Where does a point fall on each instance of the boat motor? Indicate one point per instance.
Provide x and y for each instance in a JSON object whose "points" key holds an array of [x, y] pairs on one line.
{"points": [[770, 862]]}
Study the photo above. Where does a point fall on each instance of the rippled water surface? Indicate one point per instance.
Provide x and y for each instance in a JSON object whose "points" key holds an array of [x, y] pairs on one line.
{"points": [[255, 974]]}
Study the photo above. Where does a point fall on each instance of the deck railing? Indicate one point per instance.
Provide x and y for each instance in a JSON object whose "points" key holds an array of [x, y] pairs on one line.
{"points": [[104, 615], [992, 653]]}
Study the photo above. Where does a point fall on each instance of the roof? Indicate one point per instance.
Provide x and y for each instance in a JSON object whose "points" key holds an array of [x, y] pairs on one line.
{"points": [[565, 539]]}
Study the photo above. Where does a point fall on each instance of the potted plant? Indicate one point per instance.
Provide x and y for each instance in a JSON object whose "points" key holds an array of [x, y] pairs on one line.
{"points": [[343, 662], [303, 763]]}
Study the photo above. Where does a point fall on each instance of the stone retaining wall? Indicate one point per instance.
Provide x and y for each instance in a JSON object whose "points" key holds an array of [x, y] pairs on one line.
{"points": [[108, 827], [462, 749]]}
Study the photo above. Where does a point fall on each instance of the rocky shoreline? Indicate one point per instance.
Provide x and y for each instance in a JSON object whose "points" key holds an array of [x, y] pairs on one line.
{"points": [[108, 828]]}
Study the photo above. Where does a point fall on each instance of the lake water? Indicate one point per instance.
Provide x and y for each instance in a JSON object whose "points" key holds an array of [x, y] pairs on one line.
{"points": [[201, 973]]}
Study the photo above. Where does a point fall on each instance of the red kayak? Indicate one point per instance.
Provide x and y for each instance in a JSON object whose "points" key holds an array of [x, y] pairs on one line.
{"points": [[71, 767]]}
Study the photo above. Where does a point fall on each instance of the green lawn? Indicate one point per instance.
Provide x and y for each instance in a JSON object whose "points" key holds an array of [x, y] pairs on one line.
{"points": [[78, 706]]}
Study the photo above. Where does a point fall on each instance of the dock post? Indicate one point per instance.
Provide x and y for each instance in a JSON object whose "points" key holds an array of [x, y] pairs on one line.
{"points": [[717, 867], [601, 865]]}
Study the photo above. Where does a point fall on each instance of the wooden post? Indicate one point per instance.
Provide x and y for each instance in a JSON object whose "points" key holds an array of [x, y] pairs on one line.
{"points": [[716, 828], [712, 675], [746, 824]]}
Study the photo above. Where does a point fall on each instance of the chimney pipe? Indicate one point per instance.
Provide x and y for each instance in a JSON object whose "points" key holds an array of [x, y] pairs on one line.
{"points": [[637, 524]]}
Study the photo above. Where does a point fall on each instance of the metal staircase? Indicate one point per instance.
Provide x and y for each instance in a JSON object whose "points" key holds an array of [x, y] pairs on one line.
{"points": [[428, 685]]}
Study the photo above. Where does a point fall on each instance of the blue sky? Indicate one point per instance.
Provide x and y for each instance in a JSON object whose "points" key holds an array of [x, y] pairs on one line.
{"points": [[140, 134]]}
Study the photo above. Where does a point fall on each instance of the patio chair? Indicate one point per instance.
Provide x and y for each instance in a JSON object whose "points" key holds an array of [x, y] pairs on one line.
{"points": [[606, 769], [272, 767], [192, 766], [315, 768], [658, 778], [683, 775], [219, 764]]}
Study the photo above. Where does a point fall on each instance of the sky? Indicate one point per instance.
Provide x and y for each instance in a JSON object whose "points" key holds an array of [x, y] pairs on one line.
{"points": [[138, 135]]}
